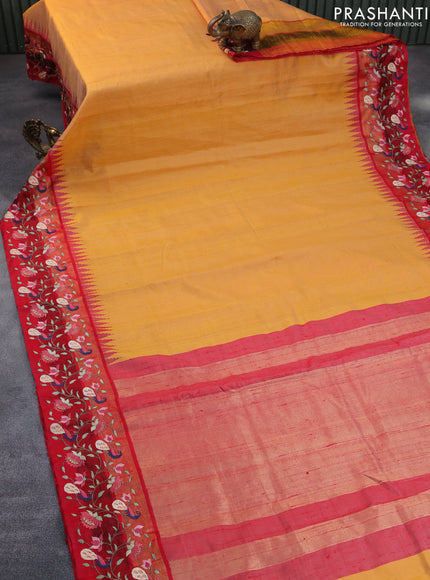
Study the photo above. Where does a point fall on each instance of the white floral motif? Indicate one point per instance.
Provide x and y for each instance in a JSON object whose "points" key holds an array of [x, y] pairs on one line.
{"points": [[394, 146], [73, 387]]}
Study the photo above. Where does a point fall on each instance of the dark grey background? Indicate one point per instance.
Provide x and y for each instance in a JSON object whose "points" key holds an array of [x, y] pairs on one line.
{"points": [[32, 541]]}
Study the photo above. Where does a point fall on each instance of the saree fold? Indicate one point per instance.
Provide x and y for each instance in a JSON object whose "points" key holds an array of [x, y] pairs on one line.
{"points": [[222, 273], [290, 31]]}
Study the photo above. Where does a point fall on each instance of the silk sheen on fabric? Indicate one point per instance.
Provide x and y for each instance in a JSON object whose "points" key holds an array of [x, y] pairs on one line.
{"points": [[222, 272]]}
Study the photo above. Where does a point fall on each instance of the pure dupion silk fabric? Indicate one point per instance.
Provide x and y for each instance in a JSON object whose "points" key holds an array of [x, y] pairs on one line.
{"points": [[222, 274]]}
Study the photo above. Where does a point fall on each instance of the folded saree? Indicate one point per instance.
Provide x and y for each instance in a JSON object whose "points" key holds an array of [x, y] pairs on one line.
{"points": [[222, 273]]}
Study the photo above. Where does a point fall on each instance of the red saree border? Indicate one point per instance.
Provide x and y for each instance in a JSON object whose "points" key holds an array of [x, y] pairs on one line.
{"points": [[109, 523], [42, 66], [269, 373], [344, 322], [327, 39], [226, 536], [343, 560], [108, 519], [389, 136]]}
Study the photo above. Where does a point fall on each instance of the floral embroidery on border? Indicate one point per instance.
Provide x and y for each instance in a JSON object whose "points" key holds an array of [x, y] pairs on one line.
{"points": [[109, 524], [41, 66], [392, 141]]}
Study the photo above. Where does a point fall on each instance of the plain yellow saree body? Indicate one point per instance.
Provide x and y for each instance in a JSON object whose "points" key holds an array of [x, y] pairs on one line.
{"points": [[241, 186]]}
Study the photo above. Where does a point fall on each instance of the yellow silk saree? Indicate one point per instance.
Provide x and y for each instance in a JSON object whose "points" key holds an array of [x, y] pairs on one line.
{"points": [[222, 273]]}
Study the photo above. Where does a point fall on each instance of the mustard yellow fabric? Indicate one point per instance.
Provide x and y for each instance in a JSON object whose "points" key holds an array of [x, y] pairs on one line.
{"points": [[412, 568], [243, 189]]}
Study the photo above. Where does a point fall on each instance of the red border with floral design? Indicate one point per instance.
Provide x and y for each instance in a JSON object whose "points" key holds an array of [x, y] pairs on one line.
{"points": [[109, 523], [390, 139], [108, 520], [324, 37], [41, 66]]}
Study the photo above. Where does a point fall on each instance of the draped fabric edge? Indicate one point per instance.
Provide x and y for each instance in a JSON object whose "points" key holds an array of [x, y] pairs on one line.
{"points": [[85, 432], [311, 49], [92, 457], [385, 135], [69, 365], [42, 66]]}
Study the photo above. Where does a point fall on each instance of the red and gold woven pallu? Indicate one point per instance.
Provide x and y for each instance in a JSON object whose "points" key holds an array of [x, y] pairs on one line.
{"points": [[222, 273]]}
